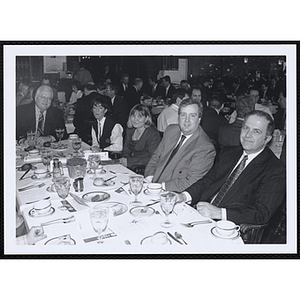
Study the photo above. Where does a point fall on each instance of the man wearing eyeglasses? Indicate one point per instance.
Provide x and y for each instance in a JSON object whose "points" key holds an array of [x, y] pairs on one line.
{"points": [[40, 117]]}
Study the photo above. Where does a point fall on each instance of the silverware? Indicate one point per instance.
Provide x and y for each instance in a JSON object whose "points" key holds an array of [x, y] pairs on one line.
{"points": [[174, 238], [31, 187], [61, 220], [24, 174], [110, 178], [179, 236], [192, 224], [78, 200], [149, 204], [38, 200]]}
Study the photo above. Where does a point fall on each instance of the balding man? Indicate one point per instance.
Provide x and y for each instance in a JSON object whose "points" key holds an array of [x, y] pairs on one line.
{"points": [[40, 116]]}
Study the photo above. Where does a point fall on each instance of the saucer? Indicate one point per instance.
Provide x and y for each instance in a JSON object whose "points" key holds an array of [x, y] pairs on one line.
{"points": [[233, 236], [138, 211], [35, 215], [147, 241], [153, 195], [61, 239]]}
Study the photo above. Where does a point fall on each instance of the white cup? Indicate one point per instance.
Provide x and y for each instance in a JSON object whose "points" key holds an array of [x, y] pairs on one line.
{"points": [[40, 173], [226, 228], [154, 188], [73, 136], [42, 207]]}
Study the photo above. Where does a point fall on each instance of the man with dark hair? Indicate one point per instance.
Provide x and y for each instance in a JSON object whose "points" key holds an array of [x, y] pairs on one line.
{"points": [[169, 88], [124, 85], [170, 114], [246, 184], [229, 134], [212, 120], [134, 93], [119, 107], [40, 116], [156, 89], [185, 85], [185, 154], [84, 117]]}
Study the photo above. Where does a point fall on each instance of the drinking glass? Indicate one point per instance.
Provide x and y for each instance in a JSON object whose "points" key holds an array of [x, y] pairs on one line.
{"points": [[62, 186], [46, 158], [31, 135], [76, 144], [136, 185], [94, 161], [167, 202], [59, 133], [99, 217]]}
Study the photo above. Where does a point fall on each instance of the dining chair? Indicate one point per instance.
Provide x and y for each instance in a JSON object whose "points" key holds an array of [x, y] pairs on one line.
{"points": [[252, 234], [139, 169]]}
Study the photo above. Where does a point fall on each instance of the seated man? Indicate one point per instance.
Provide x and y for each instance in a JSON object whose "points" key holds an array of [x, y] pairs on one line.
{"points": [[229, 134], [170, 113], [246, 184], [106, 133], [40, 116], [185, 154]]}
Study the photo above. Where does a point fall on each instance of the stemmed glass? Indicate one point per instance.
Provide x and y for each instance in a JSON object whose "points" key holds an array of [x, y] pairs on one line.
{"points": [[46, 159], [94, 161], [136, 185], [167, 202], [99, 217], [76, 144], [31, 135], [59, 133]]}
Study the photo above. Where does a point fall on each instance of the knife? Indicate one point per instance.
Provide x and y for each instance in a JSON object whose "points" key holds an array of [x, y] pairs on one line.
{"points": [[174, 238], [78, 200], [110, 178]]}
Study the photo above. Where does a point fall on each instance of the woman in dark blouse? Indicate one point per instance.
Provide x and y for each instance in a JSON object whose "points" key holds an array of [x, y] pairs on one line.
{"points": [[142, 138]]}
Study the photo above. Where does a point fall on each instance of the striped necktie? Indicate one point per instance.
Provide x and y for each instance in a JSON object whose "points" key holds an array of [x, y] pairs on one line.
{"points": [[40, 129], [230, 181], [99, 132], [175, 150]]}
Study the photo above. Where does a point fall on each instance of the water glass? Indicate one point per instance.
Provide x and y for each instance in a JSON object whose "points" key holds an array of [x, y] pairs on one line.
{"points": [[62, 186], [99, 218], [60, 134], [76, 144], [31, 138], [136, 185], [167, 202], [46, 158]]}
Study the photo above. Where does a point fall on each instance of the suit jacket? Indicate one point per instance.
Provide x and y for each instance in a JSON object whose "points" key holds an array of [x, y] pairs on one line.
{"points": [[256, 193], [120, 111], [211, 121], [171, 92], [133, 97], [84, 117], [191, 162], [139, 152], [159, 91], [26, 120], [229, 134]]}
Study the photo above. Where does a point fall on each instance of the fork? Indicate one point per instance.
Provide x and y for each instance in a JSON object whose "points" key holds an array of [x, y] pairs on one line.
{"points": [[192, 224], [62, 220], [31, 187]]}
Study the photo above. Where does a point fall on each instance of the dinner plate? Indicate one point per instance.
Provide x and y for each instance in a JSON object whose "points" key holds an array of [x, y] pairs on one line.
{"points": [[35, 215], [153, 195], [97, 196], [61, 240], [142, 211], [231, 237]]}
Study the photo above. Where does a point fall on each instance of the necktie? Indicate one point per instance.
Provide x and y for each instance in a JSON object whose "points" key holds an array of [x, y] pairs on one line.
{"points": [[41, 125], [99, 132], [230, 181], [175, 150]]}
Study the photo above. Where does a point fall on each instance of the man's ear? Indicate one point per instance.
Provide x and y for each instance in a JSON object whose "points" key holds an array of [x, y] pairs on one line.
{"points": [[268, 139]]}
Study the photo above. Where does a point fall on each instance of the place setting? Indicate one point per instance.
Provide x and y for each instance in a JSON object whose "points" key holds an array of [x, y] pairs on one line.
{"points": [[226, 230]]}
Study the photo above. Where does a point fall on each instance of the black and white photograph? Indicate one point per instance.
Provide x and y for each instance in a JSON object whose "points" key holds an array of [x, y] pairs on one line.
{"points": [[150, 149]]}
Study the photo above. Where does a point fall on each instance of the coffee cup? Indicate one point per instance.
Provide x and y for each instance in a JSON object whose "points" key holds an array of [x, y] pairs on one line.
{"points": [[41, 207], [40, 173], [159, 238], [226, 228], [73, 136], [154, 188]]}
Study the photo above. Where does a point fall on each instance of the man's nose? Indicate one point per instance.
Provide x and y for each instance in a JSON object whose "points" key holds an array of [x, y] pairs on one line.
{"points": [[248, 133]]}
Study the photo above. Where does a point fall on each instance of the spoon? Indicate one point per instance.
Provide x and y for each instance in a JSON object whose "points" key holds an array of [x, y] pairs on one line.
{"points": [[179, 236]]}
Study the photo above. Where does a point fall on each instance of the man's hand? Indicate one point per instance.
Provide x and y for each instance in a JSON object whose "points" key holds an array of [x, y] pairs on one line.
{"points": [[35, 234], [180, 198], [123, 161], [208, 210]]}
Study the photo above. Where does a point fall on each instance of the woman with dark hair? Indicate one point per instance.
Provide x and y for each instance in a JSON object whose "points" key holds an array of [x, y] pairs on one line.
{"points": [[107, 134], [76, 92], [142, 138]]}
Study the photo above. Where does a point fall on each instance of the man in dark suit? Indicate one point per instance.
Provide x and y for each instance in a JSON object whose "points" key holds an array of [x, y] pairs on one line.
{"points": [[84, 118], [134, 93], [119, 107], [123, 90], [40, 116], [260, 188], [195, 154], [169, 88], [156, 90]]}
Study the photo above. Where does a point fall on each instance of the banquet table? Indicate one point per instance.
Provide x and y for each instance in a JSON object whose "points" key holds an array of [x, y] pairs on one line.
{"points": [[129, 230]]}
